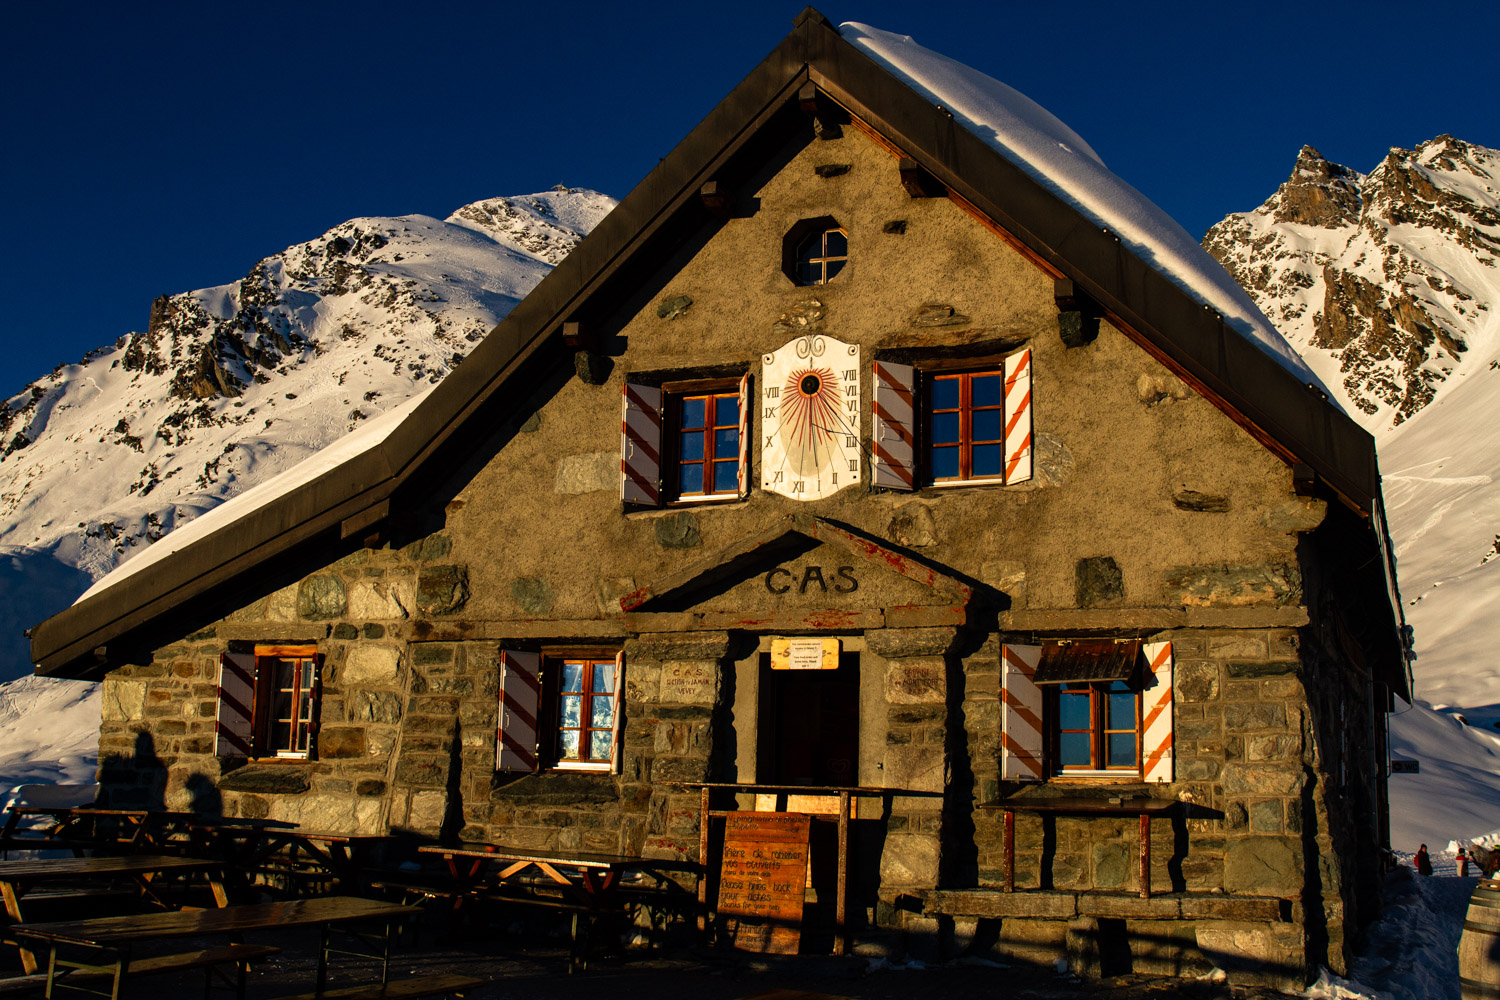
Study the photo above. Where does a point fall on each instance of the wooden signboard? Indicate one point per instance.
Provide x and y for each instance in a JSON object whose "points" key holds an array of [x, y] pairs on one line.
{"points": [[762, 880], [804, 654]]}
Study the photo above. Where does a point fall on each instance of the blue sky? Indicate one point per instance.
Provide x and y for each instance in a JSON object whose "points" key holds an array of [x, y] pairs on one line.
{"points": [[157, 148]]}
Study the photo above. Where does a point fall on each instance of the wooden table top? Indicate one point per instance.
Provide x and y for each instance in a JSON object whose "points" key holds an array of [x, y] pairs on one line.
{"points": [[1085, 804], [104, 932], [574, 859], [127, 864]]}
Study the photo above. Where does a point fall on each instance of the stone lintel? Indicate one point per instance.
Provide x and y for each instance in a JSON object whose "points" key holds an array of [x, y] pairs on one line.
{"points": [[265, 631], [1060, 905], [1149, 619], [534, 628]]}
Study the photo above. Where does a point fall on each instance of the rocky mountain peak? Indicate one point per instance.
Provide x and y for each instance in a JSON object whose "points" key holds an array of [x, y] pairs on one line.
{"points": [[1318, 193], [1384, 282]]}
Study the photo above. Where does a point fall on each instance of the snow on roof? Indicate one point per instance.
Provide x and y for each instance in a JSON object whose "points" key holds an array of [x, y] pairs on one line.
{"points": [[1034, 139], [336, 454]]}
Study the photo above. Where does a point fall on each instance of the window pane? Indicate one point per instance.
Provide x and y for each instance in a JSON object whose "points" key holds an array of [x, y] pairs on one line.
{"points": [[810, 274], [690, 445], [1073, 748], [727, 443], [987, 460], [834, 267], [570, 711], [281, 707], [984, 390], [987, 425], [604, 712], [1122, 749], [945, 393], [727, 411], [836, 245], [945, 428], [1121, 709], [572, 676], [567, 745], [604, 678], [726, 476], [1073, 710], [690, 479], [692, 413], [599, 748], [945, 463]]}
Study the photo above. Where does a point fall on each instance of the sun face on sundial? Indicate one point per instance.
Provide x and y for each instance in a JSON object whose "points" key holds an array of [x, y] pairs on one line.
{"points": [[809, 395]]}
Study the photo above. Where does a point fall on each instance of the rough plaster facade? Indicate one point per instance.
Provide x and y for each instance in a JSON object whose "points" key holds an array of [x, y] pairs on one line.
{"points": [[1152, 514]]}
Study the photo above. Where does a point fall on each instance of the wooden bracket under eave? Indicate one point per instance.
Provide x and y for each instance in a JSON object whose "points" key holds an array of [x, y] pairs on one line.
{"points": [[578, 336], [1077, 314], [823, 112], [1304, 480], [919, 183], [715, 199], [361, 524]]}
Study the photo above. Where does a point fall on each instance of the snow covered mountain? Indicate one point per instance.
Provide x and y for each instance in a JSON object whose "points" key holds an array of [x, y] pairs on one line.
{"points": [[1388, 284], [230, 385]]}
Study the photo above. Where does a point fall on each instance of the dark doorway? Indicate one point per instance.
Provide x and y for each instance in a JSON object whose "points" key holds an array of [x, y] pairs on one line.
{"points": [[809, 725]]}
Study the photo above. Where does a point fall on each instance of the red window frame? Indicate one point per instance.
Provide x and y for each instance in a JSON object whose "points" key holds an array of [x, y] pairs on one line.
{"points": [[588, 723], [711, 459], [965, 410], [1098, 693], [284, 719]]}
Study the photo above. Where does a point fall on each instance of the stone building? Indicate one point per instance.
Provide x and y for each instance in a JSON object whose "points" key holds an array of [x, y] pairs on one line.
{"points": [[1059, 530]]}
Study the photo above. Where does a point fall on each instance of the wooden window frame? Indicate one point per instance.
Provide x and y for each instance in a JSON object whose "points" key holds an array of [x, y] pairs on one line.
{"points": [[674, 394], [549, 734], [1099, 766], [965, 372], [302, 724]]}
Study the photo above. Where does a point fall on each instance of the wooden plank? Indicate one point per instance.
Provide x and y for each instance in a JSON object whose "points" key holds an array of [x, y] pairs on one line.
{"points": [[401, 989], [108, 931], [923, 616]]}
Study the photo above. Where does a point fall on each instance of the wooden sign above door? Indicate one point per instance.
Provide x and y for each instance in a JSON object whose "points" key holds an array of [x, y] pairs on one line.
{"points": [[804, 654]]}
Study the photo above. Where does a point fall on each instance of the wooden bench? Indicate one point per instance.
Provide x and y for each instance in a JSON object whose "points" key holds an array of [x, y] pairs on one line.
{"points": [[424, 986], [207, 959]]}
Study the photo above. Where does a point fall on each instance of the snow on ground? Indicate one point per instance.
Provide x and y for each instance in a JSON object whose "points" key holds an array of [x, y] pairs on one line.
{"points": [[1031, 137], [49, 732]]}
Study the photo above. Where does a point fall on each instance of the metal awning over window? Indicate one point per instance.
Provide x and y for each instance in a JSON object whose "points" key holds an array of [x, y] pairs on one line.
{"points": [[1079, 662]]}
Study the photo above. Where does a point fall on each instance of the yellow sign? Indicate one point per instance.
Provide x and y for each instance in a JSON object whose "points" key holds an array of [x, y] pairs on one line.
{"points": [[804, 654]]}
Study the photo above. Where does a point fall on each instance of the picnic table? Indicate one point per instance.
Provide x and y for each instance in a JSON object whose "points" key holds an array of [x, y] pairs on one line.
{"points": [[107, 944], [91, 828], [20, 878], [264, 845], [589, 883]]}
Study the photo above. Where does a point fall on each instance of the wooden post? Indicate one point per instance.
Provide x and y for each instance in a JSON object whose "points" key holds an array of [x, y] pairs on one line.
{"points": [[703, 867], [1010, 851], [1145, 855], [841, 902]]}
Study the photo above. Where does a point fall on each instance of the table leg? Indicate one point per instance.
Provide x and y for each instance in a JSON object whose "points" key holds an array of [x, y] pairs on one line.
{"points": [[841, 902], [1145, 856], [323, 959], [703, 866], [1010, 851]]}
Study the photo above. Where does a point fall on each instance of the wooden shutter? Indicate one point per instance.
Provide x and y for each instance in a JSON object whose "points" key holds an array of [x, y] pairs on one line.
{"points": [[640, 446], [1021, 714], [1018, 438], [235, 723], [744, 482], [1156, 713], [520, 701], [616, 746], [894, 427]]}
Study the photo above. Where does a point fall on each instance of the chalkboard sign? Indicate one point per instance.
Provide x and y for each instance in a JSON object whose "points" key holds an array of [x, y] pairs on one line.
{"points": [[762, 880]]}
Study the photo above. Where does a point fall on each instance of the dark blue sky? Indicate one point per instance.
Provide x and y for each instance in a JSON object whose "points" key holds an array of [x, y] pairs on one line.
{"points": [[154, 148]]}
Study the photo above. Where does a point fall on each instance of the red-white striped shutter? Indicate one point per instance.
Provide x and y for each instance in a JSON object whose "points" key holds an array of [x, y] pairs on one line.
{"points": [[640, 446], [894, 427], [616, 750], [1156, 713], [236, 735], [744, 482], [1020, 714], [520, 700], [1018, 417]]}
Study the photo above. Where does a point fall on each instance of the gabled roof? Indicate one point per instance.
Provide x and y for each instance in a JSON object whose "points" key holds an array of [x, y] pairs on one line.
{"points": [[760, 115]]}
